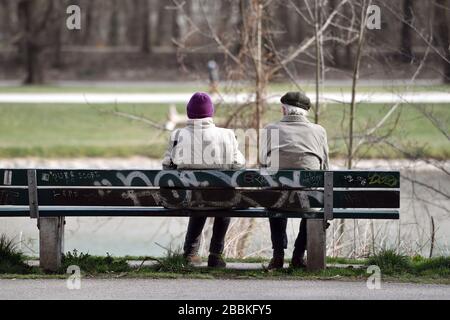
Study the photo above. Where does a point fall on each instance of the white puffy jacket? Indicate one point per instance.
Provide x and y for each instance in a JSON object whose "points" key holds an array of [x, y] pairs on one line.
{"points": [[202, 145]]}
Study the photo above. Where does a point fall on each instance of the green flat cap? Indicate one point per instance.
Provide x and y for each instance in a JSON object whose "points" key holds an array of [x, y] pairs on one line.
{"points": [[296, 99]]}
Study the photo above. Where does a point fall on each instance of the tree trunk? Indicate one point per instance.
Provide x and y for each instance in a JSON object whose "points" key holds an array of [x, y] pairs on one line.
{"points": [[442, 34], [318, 42], [33, 68], [113, 36], [260, 86], [355, 78], [336, 59], [241, 42], [133, 24], [283, 18], [57, 59], [301, 27], [5, 18], [146, 27], [89, 14], [348, 55], [175, 28], [406, 37], [225, 10], [57, 27], [162, 27], [33, 65]]}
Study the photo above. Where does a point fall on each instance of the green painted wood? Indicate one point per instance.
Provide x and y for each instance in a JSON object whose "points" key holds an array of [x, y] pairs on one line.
{"points": [[163, 212], [16, 211], [13, 196], [210, 198], [217, 179]]}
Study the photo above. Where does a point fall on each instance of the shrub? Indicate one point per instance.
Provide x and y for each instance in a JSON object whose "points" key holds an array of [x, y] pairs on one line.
{"points": [[174, 261], [94, 264], [437, 265], [390, 262], [11, 260]]}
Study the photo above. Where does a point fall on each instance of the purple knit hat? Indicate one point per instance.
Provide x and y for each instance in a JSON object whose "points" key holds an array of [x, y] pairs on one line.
{"points": [[200, 106]]}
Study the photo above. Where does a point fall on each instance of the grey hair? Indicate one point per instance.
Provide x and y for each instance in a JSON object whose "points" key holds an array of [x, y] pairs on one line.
{"points": [[291, 110]]}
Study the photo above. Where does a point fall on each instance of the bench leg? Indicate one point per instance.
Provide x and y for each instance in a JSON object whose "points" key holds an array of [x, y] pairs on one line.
{"points": [[315, 244], [51, 242]]}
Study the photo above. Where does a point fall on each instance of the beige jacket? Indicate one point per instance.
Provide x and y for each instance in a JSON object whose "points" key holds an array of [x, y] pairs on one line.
{"points": [[302, 144], [202, 145]]}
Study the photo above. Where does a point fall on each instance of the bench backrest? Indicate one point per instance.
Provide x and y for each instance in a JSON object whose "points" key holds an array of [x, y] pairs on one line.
{"points": [[198, 189]]}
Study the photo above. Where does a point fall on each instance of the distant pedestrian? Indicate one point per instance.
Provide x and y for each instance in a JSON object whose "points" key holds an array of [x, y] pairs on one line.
{"points": [[213, 73]]}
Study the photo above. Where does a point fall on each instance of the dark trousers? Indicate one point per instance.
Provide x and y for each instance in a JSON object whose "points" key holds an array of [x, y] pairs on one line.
{"points": [[194, 233], [279, 237]]}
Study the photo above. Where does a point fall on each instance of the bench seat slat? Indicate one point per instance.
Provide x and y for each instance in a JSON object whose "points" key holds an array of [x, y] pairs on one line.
{"points": [[204, 198], [163, 212]]}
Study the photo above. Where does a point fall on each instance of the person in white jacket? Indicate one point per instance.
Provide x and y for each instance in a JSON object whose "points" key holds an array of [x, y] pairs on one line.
{"points": [[202, 145]]}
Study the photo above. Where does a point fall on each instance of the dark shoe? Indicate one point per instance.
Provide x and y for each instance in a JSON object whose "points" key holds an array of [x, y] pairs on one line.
{"points": [[216, 261], [298, 262], [276, 263], [192, 260]]}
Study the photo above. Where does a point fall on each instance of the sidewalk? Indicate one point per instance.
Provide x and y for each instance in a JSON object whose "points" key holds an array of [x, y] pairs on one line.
{"points": [[230, 265], [165, 98]]}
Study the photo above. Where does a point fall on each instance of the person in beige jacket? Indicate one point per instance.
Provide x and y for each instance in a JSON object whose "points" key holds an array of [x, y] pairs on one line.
{"points": [[301, 145], [202, 145]]}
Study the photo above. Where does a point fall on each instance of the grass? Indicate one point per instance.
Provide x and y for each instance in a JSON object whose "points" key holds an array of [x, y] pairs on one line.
{"points": [[341, 260], [74, 130], [393, 267], [11, 260], [392, 263], [173, 262], [94, 264], [78, 130]]}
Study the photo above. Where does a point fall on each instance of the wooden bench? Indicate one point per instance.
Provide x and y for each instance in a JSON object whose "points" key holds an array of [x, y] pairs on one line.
{"points": [[319, 196]]}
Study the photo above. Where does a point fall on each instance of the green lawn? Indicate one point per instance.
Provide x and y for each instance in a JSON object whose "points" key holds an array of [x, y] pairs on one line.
{"points": [[75, 130]]}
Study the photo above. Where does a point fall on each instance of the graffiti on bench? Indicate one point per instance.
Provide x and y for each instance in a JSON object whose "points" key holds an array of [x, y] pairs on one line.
{"points": [[186, 199], [215, 178], [387, 179], [9, 197]]}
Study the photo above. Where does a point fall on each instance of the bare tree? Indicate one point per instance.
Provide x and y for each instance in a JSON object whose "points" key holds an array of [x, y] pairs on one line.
{"points": [[34, 19], [145, 26], [89, 17], [442, 34], [167, 23], [113, 32], [355, 78], [406, 32]]}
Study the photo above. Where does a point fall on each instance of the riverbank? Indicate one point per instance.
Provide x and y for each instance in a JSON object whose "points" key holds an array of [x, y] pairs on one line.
{"points": [[140, 162]]}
